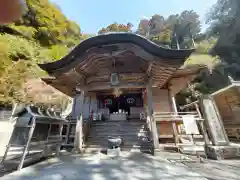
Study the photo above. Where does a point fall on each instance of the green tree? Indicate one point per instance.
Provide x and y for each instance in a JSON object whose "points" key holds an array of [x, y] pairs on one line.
{"points": [[225, 25], [161, 30], [192, 18], [45, 22], [43, 34], [143, 27], [115, 27]]}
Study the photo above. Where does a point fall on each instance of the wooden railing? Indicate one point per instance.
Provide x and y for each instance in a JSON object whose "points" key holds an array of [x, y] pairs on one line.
{"points": [[173, 116], [72, 127]]}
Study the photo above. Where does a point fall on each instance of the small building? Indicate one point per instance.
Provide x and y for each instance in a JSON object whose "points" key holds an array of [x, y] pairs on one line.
{"points": [[124, 77], [228, 102], [37, 134]]}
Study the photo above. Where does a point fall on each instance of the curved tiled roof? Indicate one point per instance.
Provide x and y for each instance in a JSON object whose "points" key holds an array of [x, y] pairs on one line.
{"points": [[101, 41], [133, 57]]}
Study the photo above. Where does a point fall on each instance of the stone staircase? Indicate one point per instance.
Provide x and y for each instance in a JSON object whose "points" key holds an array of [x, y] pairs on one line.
{"points": [[130, 131]]}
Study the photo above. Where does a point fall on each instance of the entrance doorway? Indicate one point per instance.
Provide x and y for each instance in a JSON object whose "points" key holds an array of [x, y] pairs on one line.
{"points": [[123, 102]]}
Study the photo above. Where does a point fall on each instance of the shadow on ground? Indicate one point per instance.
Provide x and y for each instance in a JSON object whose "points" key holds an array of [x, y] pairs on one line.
{"points": [[132, 166]]}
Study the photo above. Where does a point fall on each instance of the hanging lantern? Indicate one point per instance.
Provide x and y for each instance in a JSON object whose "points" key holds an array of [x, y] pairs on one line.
{"points": [[114, 79]]}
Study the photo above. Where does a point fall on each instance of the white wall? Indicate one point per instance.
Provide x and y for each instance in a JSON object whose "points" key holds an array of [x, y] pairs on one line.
{"points": [[6, 129]]}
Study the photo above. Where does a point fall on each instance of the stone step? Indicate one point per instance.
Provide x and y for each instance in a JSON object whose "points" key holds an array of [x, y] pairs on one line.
{"points": [[115, 131], [109, 123], [127, 121], [105, 140], [116, 127], [99, 148], [114, 134], [117, 124], [105, 145], [125, 138], [135, 132], [127, 130]]}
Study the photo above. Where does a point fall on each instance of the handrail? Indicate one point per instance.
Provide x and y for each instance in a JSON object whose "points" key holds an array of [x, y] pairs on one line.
{"points": [[192, 104], [173, 116], [189, 113]]}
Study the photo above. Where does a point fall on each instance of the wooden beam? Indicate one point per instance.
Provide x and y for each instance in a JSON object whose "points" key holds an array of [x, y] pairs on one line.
{"points": [[97, 78], [174, 125], [149, 69], [106, 77], [102, 86]]}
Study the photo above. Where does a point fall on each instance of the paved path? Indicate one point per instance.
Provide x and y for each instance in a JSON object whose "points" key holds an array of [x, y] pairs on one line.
{"points": [[129, 166]]}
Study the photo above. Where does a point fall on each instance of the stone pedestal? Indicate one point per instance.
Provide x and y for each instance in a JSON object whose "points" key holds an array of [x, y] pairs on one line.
{"points": [[222, 152], [220, 148], [115, 152]]}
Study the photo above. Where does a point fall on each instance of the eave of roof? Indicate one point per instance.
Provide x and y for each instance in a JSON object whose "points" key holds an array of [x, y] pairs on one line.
{"points": [[190, 70], [232, 85], [116, 38]]}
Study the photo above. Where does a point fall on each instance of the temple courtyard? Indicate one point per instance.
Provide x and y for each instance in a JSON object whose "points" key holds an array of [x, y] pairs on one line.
{"points": [[129, 165]]}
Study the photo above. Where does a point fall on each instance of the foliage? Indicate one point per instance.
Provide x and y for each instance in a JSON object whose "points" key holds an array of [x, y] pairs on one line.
{"points": [[117, 28], [43, 34], [56, 52], [224, 24], [45, 23], [143, 27], [164, 37], [161, 30], [21, 49], [11, 82], [205, 46], [19, 57], [192, 18], [222, 16]]}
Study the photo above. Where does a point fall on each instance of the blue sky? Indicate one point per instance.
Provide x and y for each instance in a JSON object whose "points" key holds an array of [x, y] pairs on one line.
{"points": [[92, 15]]}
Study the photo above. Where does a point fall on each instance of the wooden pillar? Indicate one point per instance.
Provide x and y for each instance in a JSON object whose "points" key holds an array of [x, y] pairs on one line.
{"points": [[174, 105], [78, 141], [58, 148], [174, 125], [25, 150], [74, 105], [205, 135], [150, 115]]}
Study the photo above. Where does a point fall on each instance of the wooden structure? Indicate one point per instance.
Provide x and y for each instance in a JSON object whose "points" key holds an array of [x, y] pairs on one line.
{"points": [[115, 65], [216, 133], [36, 134], [69, 131], [228, 103]]}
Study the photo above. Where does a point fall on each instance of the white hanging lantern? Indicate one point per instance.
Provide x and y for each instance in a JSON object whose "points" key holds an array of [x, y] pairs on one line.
{"points": [[114, 79]]}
